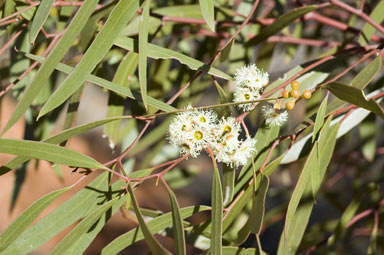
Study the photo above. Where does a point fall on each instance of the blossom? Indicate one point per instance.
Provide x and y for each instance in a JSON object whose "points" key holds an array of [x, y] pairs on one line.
{"points": [[251, 77], [246, 94], [274, 116], [246, 150]]}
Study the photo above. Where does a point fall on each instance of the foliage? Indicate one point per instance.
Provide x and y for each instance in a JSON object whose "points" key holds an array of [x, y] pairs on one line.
{"points": [[315, 183]]}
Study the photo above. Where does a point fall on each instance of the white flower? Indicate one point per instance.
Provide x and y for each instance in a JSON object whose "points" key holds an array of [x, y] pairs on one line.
{"points": [[274, 116], [204, 118], [246, 94], [246, 150], [227, 132], [252, 77]]}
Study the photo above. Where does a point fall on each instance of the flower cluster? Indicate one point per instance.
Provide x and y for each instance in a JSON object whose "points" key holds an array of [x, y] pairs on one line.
{"points": [[273, 115], [194, 130], [249, 81]]}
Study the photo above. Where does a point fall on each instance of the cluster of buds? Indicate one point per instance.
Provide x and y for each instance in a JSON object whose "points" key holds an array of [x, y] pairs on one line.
{"points": [[295, 93], [194, 130], [249, 82]]}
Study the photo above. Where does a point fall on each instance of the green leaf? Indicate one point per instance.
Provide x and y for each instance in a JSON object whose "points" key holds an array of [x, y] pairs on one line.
{"points": [[368, 29], [51, 61], [154, 226], [143, 45], [177, 224], [27, 217], [229, 175], [228, 250], [182, 11], [47, 152], [226, 51], [70, 240], [223, 98], [116, 102], [77, 207], [281, 22], [153, 244], [368, 132], [301, 202], [319, 121], [360, 81], [119, 17], [41, 16], [355, 96], [158, 52], [111, 86], [217, 214], [256, 216], [208, 12]]}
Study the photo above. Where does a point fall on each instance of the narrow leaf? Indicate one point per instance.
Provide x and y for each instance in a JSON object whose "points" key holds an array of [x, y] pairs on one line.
{"points": [[217, 214], [229, 175], [208, 12], [47, 152], [143, 45], [84, 226], [153, 244], [51, 61], [256, 216], [368, 30], [119, 17], [226, 51], [177, 224], [27, 217], [158, 52], [154, 226], [41, 16], [223, 98], [319, 121], [281, 22], [112, 86], [77, 207], [355, 96]]}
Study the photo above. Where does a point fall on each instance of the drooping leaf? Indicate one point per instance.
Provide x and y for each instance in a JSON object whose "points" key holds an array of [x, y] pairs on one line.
{"points": [[355, 96], [256, 216], [152, 243], [158, 52], [208, 12], [47, 152], [319, 121], [51, 61], [78, 206], [112, 86], [143, 48], [281, 22], [154, 226], [217, 214], [41, 16], [22, 222], [119, 17], [71, 241], [177, 224]]}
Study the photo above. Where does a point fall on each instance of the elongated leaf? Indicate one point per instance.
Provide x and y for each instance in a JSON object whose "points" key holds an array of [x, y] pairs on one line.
{"points": [[226, 51], [79, 206], [143, 48], [355, 96], [27, 217], [177, 224], [301, 202], [229, 175], [228, 250], [47, 152], [319, 118], [223, 98], [158, 52], [208, 12], [256, 216], [116, 102], [152, 243], [65, 245], [51, 61], [281, 22], [368, 29], [217, 214], [41, 16], [360, 81], [191, 11], [119, 17], [111, 86], [154, 226]]}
